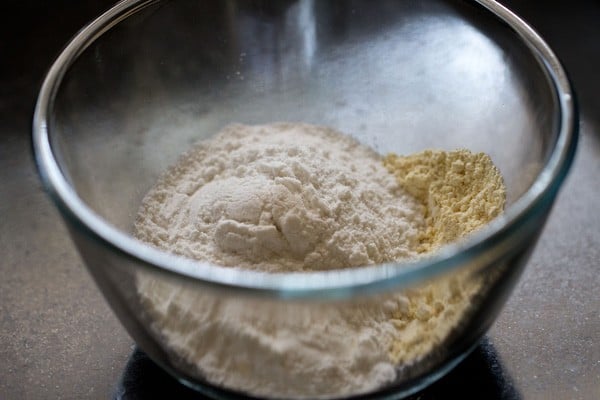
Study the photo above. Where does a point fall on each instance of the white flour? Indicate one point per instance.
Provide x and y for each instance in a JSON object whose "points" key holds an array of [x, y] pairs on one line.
{"points": [[279, 197], [291, 350]]}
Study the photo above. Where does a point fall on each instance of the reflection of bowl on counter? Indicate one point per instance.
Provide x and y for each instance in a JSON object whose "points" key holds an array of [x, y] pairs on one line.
{"points": [[118, 108]]}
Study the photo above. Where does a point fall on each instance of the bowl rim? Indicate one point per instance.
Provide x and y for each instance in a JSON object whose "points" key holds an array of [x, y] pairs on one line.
{"points": [[306, 285]]}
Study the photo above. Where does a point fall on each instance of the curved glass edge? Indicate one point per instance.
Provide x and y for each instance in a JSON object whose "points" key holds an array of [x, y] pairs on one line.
{"points": [[329, 284]]}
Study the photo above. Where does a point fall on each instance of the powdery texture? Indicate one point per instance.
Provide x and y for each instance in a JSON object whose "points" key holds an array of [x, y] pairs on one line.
{"points": [[243, 199], [281, 197], [274, 349], [462, 191]]}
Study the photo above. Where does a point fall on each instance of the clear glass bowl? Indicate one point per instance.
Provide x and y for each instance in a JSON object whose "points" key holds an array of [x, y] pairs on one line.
{"points": [[135, 87]]}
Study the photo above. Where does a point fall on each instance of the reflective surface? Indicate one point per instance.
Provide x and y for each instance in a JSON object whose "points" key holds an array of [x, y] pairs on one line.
{"points": [[400, 77], [60, 340]]}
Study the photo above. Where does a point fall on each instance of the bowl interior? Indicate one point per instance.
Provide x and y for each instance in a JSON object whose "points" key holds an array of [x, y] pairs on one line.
{"points": [[398, 76]]}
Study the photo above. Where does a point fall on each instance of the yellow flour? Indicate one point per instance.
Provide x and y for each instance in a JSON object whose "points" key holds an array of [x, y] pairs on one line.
{"points": [[460, 191]]}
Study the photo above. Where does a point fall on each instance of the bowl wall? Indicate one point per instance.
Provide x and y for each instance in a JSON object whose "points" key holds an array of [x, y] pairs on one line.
{"points": [[398, 76]]}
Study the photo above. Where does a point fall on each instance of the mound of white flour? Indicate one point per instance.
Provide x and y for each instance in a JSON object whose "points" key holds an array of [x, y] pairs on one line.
{"points": [[280, 197]]}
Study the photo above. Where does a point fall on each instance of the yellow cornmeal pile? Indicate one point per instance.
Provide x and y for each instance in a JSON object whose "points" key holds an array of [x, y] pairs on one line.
{"points": [[461, 191]]}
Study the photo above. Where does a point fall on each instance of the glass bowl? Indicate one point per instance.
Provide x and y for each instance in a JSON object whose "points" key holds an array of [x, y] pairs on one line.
{"points": [[146, 79]]}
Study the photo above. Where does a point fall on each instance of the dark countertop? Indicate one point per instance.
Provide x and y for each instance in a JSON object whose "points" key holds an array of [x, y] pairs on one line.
{"points": [[58, 338]]}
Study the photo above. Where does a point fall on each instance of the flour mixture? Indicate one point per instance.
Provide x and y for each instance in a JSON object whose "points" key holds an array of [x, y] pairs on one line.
{"points": [[297, 197]]}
